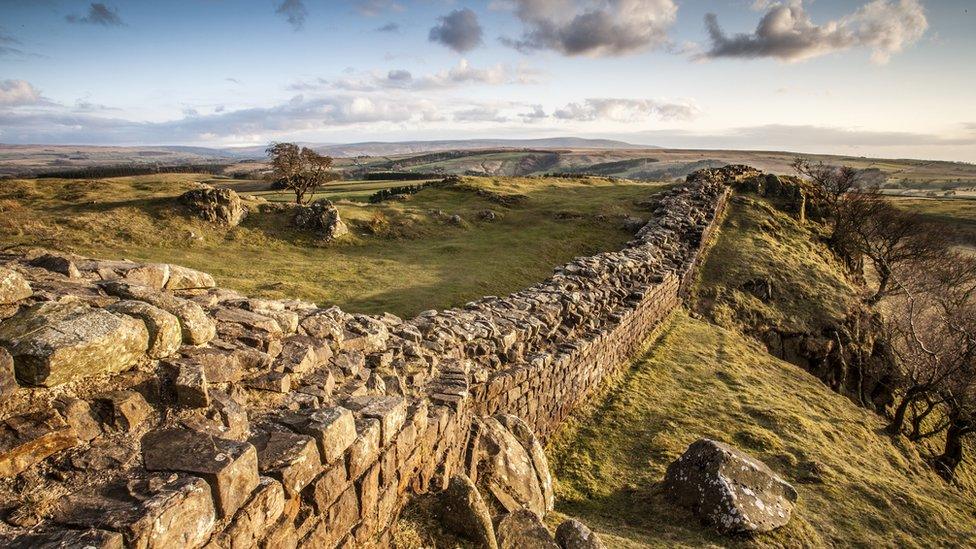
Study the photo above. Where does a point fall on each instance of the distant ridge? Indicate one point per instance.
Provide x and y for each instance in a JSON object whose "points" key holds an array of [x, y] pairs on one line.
{"points": [[381, 148]]}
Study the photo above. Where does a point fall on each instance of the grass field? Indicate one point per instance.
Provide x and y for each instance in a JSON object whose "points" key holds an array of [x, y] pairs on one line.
{"points": [[699, 380], [402, 257]]}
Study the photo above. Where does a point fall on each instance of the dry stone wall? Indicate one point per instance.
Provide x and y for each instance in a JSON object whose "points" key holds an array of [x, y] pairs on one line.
{"points": [[142, 406]]}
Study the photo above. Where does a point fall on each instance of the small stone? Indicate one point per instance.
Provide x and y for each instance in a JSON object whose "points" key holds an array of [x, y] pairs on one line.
{"points": [[29, 439], [79, 416], [13, 286], [573, 534], [57, 263], [278, 382], [230, 467], [191, 386], [523, 529], [124, 410]]}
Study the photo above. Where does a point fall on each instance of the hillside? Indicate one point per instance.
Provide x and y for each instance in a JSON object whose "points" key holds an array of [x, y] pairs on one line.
{"points": [[857, 486]]}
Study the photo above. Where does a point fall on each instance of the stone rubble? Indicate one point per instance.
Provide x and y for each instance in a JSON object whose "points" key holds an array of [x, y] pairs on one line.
{"points": [[276, 422]]}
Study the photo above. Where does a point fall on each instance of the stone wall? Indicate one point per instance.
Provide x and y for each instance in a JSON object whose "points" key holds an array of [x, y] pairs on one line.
{"points": [[142, 406]]}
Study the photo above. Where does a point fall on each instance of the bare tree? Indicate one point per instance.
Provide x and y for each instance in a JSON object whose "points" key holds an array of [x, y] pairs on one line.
{"points": [[932, 333], [300, 169], [889, 237]]}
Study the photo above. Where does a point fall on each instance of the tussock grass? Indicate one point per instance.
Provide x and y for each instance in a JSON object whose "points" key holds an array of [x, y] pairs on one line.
{"points": [[402, 257], [701, 380]]}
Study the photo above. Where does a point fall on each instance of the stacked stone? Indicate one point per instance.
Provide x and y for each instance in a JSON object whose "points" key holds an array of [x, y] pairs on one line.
{"points": [[142, 406]]}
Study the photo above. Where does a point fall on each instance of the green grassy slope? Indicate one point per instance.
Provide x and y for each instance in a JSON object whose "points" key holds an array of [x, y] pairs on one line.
{"points": [[700, 380], [759, 245], [403, 257]]}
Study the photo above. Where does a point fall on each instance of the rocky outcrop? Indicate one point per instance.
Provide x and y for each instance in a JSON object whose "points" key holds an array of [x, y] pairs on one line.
{"points": [[286, 423], [218, 206], [322, 218], [734, 492]]}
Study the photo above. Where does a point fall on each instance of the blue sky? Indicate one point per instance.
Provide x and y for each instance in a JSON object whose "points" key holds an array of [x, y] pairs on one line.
{"points": [[887, 78]]}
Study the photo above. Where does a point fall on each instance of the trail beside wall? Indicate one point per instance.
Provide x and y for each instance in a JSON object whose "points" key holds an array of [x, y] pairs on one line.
{"points": [[142, 406]]}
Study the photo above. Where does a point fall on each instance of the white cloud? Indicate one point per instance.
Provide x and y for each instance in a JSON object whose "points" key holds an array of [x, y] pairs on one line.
{"points": [[627, 110], [19, 93], [786, 32], [592, 27]]}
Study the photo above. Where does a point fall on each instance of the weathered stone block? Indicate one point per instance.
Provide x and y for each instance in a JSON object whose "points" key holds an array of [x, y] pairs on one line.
{"points": [[124, 410], [197, 328], [13, 286], [183, 278], [29, 439], [54, 343], [230, 467], [334, 429], [328, 487], [8, 380], [290, 458], [165, 335], [278, 382], [155, 513], [523, 529], [256, 517], [390, 411], [79, 416], [190, 386], [366, 448]]}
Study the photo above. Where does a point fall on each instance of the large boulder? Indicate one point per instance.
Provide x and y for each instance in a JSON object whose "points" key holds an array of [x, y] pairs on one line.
{"points": [[464, 512], [220, 206], [506, 469], [54, 343], [321, 217], [729, 489], [523, 529]]}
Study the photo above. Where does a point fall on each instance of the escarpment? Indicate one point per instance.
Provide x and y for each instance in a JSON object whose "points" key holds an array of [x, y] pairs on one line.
{"points": [[142, 406]]}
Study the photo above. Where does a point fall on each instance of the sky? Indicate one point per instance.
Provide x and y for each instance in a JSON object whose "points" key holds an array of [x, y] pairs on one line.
{"points": [[887, 78]]}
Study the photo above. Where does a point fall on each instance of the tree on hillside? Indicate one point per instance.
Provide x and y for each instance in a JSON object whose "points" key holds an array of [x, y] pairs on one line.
{"points": [[889, 237], [932, 334], [300, 169]]}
